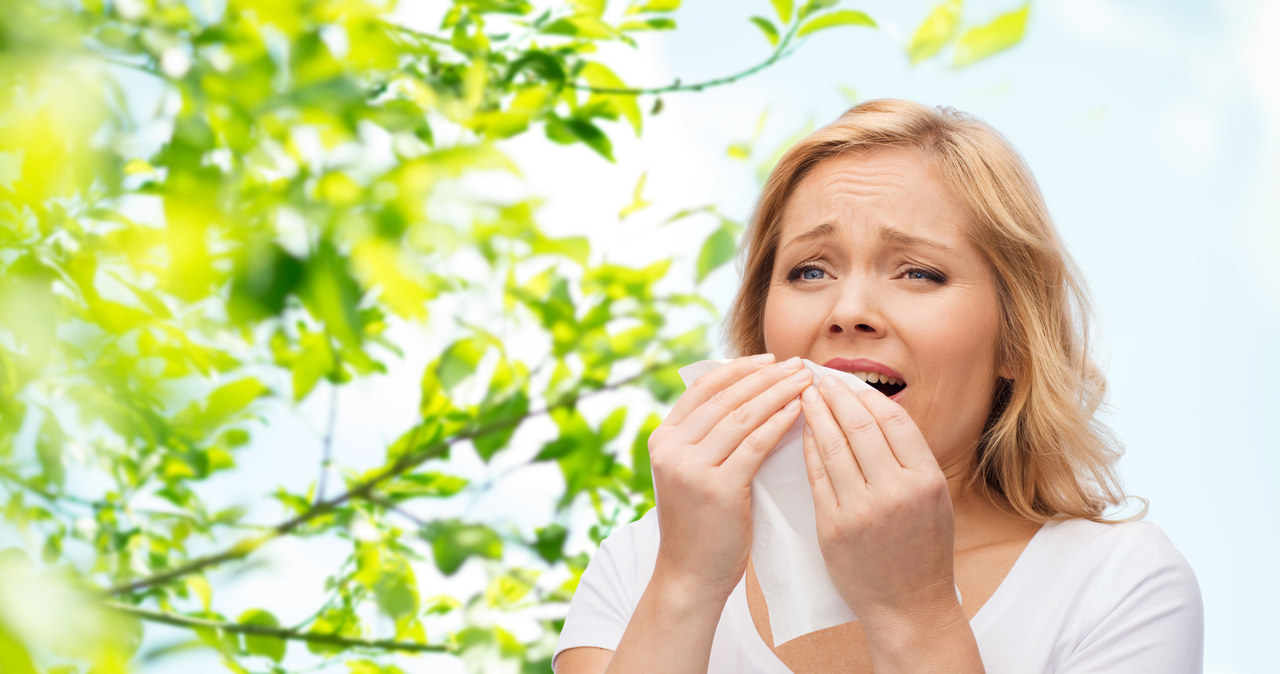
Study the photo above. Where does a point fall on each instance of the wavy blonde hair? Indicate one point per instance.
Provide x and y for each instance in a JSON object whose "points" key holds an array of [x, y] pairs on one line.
{"points": [[1043, 448]]}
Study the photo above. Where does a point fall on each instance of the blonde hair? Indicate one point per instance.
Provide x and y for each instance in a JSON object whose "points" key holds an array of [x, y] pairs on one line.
{"points": [[1043, 448]]}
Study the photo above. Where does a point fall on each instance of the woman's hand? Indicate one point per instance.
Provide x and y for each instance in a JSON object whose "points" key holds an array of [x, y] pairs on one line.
{"points": [[704, 456], [885, 522]]}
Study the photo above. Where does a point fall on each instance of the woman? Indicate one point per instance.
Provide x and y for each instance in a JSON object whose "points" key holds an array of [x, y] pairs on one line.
{"points": [[910, 245]]}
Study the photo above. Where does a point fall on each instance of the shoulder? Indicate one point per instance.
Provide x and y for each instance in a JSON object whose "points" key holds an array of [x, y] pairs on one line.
{"points": [[1140, 547], [621, 568], [1125, 590], [610, 587], [631, 549]]}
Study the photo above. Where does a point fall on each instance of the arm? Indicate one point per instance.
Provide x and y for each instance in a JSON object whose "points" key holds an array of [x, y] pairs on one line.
{"points": [[670, 631]]}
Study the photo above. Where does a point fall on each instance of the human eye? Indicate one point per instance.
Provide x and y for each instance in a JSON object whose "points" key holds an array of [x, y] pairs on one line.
{"points": [[806, 272], [922, 274]]}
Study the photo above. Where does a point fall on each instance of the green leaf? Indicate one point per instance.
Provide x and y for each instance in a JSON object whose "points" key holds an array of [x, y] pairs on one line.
{"points": [[340, 621], [459, 361], [453, 542], [641, 470], [259, 644], [655, 6], [612, 425], [935, 31], [396, 591], [505, 591], [718, 249], [331, 294], [655, 23], [815, 6], [513, 410], [637, 198], [601, 77], [982, 42], [49, 450], [548, 67], [582, 26], [549, 542], [424, 485], [13, 654], [783, 9], [589, 7], [200, 587], [573, 129], [576, 248], [228, 400], [314, 360], [767, 27], [844, 17]]}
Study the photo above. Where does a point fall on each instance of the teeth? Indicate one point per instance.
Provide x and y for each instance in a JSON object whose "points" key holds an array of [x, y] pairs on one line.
{"points": [[876, 377]]}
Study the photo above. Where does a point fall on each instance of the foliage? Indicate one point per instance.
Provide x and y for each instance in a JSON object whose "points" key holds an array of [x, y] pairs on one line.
{"points": [[296, 203]]}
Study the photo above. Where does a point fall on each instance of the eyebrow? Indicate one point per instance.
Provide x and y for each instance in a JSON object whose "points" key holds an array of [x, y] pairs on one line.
{"points": [[895, 236]]}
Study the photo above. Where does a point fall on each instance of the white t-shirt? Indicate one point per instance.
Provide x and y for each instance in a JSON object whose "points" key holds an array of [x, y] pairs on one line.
{"points": [[1082, 597]]}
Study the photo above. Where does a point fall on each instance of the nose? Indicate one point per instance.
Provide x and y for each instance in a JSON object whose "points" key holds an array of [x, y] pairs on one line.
{"points": [[856, 311]]}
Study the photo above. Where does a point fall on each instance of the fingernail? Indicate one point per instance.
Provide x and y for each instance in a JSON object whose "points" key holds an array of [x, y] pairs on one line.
{"points": [[762, 358], [810, 394], [827, 382], [791, 406], [799, 376], [791, 363]]}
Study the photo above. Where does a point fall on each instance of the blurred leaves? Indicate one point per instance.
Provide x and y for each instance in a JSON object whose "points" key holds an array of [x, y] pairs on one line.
{"points": [[992, 38], [943, 27]]}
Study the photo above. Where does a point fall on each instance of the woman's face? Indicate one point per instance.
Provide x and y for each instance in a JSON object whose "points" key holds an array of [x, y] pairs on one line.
{"points": [[874, 264]]}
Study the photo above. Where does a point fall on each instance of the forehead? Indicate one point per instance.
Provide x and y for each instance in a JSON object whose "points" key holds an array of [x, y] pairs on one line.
{"points": [[890, 188]]}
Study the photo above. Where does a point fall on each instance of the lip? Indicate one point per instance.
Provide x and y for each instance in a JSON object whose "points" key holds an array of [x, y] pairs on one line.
{"points": [[866, 365]]}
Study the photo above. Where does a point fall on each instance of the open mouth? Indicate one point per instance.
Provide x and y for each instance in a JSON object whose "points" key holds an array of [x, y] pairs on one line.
{"points": [[890, 386]]}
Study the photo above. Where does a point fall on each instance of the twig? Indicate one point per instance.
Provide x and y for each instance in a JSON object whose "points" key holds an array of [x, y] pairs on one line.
{"points": [[779, 53], [405, 463], [395, 508], [56, 500], [327, 457], [278, 632]]}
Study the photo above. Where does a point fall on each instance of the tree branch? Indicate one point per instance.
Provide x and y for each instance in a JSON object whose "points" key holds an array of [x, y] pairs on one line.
{"points": [[327, 457], [780, 52], [405, 463], [278, 632]]}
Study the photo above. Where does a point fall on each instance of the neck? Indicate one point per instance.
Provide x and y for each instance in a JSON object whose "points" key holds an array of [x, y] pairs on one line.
{"points": [[981, 515]]}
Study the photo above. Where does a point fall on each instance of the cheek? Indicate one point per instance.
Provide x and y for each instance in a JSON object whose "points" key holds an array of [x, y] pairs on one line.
{"points": [[962, 341], [785, 331]]}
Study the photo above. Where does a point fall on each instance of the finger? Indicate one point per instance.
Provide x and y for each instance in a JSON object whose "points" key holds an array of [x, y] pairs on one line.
{"points": [[869, 444], [726, 403], [900, 430], [825, 497], [745, 461], [734, 428], [713, 382], [831, 444]]}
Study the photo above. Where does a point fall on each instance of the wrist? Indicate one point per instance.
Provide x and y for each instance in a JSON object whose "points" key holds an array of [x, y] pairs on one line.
{"points": [[937, 640], [687, 594]]}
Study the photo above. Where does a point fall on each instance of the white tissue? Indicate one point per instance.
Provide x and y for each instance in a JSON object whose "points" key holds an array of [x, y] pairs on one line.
{"points": [[784, 544]]}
